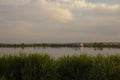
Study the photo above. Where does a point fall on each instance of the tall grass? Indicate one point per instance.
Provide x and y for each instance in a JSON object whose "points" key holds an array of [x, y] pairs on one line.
{"points": [[23, 67], [43, 67]]}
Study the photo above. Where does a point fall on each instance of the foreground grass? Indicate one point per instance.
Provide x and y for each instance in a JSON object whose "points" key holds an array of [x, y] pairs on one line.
{"points": [[43, 67]]}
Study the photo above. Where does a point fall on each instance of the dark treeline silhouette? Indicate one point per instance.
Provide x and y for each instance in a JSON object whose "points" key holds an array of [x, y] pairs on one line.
{"points": [[93, 44], [36, 45], [103, 44]]}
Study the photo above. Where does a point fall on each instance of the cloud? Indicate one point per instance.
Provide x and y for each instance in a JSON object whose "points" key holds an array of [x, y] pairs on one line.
{"points": [[105, 1], [83, 4], [58, 20], [14, 2], [56, 12], [63, 15], [18, 27], [61, 10]]}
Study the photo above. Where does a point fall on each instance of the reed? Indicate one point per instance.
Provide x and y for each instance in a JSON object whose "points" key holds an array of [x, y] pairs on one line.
{"points": [[43, 67]]}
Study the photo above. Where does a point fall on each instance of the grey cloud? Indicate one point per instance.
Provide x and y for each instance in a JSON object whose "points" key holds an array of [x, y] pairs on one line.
{"points": [[105, 1], [30, 23]]}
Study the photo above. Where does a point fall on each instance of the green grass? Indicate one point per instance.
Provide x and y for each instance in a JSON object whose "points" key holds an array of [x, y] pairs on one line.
{"points": [[43, 67]]}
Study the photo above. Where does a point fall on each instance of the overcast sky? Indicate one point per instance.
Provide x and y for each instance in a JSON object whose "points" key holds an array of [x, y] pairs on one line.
{"points": [[38, 21]]}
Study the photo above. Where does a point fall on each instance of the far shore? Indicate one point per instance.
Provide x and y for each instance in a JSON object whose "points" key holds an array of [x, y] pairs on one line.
{"points": [[78, 44]]}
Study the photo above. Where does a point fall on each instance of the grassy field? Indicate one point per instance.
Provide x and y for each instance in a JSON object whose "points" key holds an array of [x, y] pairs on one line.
{"points": [[43, 67]]}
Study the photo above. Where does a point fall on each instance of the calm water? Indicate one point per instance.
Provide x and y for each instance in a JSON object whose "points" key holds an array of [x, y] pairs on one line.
{"points": [[58, 52]]}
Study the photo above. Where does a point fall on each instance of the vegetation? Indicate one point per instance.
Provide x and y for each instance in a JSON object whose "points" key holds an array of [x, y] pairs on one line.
{"points": [[22, 45], [43, 67], [103, 44], [94, 44]]}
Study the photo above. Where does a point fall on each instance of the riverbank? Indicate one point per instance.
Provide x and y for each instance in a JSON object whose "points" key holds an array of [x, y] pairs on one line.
{"points": [[77, 44], [43, 67]]}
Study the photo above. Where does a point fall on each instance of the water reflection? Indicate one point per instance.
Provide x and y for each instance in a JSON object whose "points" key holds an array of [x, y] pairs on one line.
{"points": [[60, 51], [100, 48]]}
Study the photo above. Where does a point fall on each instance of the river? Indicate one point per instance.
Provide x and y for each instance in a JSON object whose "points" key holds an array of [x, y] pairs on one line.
{"points": [[61, 51]]}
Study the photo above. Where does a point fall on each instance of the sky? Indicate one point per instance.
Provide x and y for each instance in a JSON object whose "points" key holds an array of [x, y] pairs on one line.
{"points": [[58, 21]]}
